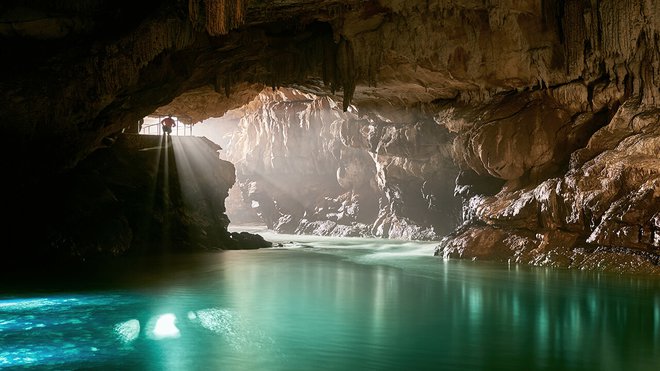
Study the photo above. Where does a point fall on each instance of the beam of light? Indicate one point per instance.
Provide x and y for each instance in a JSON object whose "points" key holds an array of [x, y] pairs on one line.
{"points": [[157, 197], [166, 197], [165, 142], [163, 327], [155, 146], [127, 331], [193, 171], [199, 176]]}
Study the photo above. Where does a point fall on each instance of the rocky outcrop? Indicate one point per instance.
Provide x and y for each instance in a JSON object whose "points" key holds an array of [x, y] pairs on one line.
{"points": [[141, 195], [601, 212]]}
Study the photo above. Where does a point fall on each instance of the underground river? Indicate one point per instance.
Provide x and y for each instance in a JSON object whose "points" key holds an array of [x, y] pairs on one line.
{"points": [[319, 303]]}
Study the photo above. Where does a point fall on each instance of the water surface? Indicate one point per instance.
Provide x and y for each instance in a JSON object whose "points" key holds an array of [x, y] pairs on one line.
{"points": [[333, 304]]}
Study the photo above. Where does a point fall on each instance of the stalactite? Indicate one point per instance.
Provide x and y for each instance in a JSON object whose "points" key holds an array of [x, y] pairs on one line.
{"points": [[297, 61], [227, 86], [133, 52], [224, 15], [217, 17], [156, 37], [194, 14], [574, 37], [223, 83], [346, 70], [368, 53]]}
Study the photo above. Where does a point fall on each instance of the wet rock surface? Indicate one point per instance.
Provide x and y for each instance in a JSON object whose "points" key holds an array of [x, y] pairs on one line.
{"points": [[602, 213], [246, 241]]}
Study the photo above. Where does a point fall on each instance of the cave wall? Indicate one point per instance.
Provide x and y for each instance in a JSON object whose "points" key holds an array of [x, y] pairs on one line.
{"points": [[552, 109], [471, 50], [143, 194], [543, 178], [308, 167], [577, 189], [74, 75]]}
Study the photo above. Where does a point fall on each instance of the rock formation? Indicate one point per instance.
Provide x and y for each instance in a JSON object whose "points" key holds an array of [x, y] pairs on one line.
{"points": [[601, 211], [143, 194], [307, 167], [543, 112]]}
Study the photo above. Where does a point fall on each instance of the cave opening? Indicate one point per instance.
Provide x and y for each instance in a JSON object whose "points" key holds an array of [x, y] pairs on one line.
{"points": [[305, 166]]}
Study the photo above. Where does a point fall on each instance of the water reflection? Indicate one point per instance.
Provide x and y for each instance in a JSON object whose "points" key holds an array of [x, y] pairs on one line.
{"points": [[127, 331], [556, 319], [163, 327], [301, 310]]}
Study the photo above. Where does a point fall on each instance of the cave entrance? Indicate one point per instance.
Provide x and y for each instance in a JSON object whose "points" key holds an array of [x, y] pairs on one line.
{"points": [[151, 125], [306, 166]]}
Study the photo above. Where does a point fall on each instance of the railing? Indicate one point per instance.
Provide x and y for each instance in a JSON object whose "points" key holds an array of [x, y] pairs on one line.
{"points": [[149, 129]]}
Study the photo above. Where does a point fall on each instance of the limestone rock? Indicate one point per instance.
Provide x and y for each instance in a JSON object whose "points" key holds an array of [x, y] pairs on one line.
{"points": [[245, 240], [602, 213], [308, 167]]}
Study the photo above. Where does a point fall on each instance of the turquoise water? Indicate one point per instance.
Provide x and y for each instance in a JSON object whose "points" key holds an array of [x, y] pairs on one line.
{"points": [[333, 304]]}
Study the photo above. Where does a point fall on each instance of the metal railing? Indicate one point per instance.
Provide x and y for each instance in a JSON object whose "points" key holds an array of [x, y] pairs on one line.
{"points": [[157, 129]]}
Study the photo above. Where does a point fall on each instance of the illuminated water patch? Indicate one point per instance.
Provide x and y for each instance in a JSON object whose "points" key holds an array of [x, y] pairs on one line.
{"points": [[128, 331], [53, 330], [217, 320], [163, 327], [236, 331]]}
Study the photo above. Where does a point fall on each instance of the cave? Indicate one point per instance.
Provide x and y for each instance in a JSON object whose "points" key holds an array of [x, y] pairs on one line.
{"points": [[519, 139]]}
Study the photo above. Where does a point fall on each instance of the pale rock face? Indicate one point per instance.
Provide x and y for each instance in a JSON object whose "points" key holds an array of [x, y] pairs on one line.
{"points": [[601, 212], [521, 138], [323, 171]]}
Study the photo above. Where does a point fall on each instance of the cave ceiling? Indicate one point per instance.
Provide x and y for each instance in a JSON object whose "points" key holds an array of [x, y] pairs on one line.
{"points": [[75, 72], [100, 62]]}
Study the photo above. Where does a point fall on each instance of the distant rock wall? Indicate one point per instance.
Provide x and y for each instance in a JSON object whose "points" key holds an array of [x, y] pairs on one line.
{"points": [[307, 167]]}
